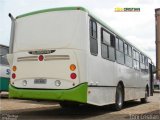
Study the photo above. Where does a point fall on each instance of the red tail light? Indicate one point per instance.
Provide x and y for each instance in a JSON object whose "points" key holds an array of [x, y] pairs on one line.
{"points": [[13, 75], [40, 58], [73, 75]]}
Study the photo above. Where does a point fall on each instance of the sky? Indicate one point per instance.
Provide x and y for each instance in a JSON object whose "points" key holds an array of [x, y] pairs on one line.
{"points": [[137, 27]]}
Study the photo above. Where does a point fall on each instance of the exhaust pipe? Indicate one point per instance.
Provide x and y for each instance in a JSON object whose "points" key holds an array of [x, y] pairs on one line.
{"points": [[12, 34]]}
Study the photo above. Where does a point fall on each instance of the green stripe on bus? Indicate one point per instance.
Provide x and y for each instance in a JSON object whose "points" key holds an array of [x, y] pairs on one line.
{"points": [[52, 9], [77, 94], [4, 83]]}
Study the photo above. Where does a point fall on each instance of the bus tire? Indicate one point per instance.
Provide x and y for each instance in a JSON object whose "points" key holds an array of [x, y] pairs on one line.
{"points": [[145, 99], [65, 104], [119, 98]]}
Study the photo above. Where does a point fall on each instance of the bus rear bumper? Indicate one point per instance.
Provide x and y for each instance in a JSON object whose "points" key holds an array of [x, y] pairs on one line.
{"points": [[77, 94]]}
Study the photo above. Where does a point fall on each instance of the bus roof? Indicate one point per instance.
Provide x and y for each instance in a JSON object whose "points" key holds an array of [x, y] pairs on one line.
{"points": [[52, 9], [90, 14]]}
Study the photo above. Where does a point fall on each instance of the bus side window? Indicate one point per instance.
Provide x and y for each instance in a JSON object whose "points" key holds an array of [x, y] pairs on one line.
{"points": [[146, 64], [107, 45], [128, 58], [121, 48], [136, 59], [112, 48], [120, 52], [113, 41], [142, 65], [93, 38], [126, 48], [105, 42], [117, 44], [130, 50]]}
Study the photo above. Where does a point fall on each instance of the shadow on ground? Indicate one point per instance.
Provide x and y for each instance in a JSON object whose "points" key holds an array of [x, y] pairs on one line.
{"points": [[4, 95], [56, 112]]}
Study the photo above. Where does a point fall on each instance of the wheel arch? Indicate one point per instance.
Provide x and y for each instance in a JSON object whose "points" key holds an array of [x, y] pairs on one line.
{"points": [[147, 87], [122, 84]]}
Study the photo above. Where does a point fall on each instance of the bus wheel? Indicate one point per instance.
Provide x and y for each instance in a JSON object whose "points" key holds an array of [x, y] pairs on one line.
{"points": [[145, 99], [119, 98], [68, 104]]}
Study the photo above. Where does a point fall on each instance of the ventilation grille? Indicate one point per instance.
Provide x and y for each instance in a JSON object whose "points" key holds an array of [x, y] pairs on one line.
{"points": [[46, 58], [56, 57], [28, 58]]}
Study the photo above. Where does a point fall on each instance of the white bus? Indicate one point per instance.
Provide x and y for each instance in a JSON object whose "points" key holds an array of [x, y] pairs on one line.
{"points": [[70, 56], [4, 68]]}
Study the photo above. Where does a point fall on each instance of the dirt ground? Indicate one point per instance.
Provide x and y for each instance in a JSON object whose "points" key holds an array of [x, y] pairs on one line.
{"points": [[12, 109]]}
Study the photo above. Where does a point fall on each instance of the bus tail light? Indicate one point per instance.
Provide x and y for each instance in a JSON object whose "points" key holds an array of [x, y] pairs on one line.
{"points": [[73, 75], [14, 68], [72, 67], [13, 75], [40, 58]]}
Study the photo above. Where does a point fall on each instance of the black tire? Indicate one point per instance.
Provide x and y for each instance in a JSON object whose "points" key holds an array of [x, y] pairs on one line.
{"points": [[119, 98], [145, 99], [68, 104]]}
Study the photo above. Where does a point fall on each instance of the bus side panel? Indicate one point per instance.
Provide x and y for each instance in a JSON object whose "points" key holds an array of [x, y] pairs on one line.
{"points": [[81, 65], [104, 75], [102, 85], [101, 95], [101, 82]]}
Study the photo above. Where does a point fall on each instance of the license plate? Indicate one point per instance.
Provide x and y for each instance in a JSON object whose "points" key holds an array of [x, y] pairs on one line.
{"points": [[40, 81]]}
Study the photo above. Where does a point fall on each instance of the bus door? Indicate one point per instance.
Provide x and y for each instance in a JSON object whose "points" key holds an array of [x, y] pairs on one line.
{"points": [[151, 79]]}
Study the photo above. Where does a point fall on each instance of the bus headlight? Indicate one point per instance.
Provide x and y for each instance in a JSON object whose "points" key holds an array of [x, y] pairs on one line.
{"points": [[24, 82], [57, 83]]}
